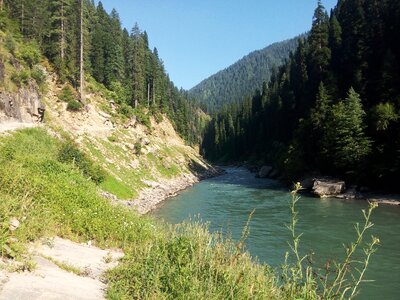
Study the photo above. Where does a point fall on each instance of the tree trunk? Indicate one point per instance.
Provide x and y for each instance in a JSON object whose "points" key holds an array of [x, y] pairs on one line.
{"points": [[81, 91], [22, 17], [1, 5], [148, 95], [154, 93], [62, 46]]}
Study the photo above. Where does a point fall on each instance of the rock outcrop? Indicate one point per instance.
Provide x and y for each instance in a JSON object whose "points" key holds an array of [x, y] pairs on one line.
{"points": [[25, 106], [328, 187]]}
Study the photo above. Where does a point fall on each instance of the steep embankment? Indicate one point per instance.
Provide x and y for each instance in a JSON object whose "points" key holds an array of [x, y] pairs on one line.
{"points": [[146, 164]]}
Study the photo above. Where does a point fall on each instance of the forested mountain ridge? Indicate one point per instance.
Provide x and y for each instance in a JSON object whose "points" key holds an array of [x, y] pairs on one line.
{"points": [[79, 38], [332, 109], [240, 79]]}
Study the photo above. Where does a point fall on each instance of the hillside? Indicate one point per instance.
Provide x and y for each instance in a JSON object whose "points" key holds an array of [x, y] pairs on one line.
{"points": [[333, 109], [239, 80]]}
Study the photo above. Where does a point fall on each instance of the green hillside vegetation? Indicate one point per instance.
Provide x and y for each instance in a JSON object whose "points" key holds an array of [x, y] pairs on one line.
{"points": [[114, 57], [332, 109], [232, 84]]}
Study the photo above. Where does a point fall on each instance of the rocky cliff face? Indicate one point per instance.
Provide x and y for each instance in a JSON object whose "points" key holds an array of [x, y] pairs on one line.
{"points": [[24, 106]]}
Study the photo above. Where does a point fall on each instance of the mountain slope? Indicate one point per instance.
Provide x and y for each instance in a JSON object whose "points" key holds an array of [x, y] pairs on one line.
{"points": [[243, 77]]}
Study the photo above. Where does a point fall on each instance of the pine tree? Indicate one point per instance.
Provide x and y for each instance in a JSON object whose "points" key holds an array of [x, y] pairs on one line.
{"points": [[137, 64], [320, 54], [350, 146]]}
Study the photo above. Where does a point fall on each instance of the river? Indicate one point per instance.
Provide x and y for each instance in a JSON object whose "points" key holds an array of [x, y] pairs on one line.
{"points": [[226, 202]]}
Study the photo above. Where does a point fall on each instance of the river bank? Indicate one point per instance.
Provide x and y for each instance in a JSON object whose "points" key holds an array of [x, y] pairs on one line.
{"points": [[157, 192], [335, 188]]}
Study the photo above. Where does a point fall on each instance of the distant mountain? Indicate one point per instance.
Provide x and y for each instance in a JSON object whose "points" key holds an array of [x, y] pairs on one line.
{"points": [[243, 77]]}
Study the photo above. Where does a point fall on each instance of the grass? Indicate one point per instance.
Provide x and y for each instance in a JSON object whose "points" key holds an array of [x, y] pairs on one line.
{"points": [[117, 188], [66, 267], [52, 196]]}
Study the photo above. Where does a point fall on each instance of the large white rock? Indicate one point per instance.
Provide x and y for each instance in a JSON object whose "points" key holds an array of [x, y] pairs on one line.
{"points": [[328, 187]]}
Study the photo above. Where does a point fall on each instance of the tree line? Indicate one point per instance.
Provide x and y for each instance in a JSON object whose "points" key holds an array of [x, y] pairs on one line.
{"points": [[80, 40], [332, 109]]}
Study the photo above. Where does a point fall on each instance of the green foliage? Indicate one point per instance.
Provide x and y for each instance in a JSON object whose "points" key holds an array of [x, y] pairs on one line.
{"points": [[383, 115], [67, 94], [10, 44], [38, 75], [70, 153], [138, 148], [74, 105], [20, 78], [117, 188], [350, 146], [29, 52], [341, 280]]}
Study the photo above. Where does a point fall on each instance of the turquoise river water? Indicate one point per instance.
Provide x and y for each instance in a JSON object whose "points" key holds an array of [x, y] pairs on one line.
{"points": [[226, 202]]}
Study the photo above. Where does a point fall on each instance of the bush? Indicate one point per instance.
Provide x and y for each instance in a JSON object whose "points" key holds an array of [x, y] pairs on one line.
{"points": [[67, 94], [138, 148], [126, 110], [69, 153], [21, 78], [38, 75], [10, 43], [30, 53], [74, 105]]}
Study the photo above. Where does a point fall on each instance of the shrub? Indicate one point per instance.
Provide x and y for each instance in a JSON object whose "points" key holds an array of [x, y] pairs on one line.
{"points": [[38, 75], [125, 110], [74, 105], [67, 94], [30, 53], [138, 147], [21, 78], [10, 43]]}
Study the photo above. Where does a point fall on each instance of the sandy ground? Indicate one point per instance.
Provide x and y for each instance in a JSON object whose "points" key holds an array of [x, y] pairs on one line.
{"points": [[48, 281], [9, 126]]}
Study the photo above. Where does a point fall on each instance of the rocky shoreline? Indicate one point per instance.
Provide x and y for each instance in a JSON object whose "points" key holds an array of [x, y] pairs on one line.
{"points": [[155, 193], [327, 187], [150, 198]]}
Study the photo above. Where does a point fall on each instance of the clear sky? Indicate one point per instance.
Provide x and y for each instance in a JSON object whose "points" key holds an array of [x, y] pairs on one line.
{"points": [[197, 38]]}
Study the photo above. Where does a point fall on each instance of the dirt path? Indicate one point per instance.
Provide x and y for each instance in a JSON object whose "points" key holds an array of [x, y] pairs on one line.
{"points": [[50, 281], [9, 126]]}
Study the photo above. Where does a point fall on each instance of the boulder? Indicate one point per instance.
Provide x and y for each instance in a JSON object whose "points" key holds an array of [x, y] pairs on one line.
{"points": [[264, 171], [328, 187]]}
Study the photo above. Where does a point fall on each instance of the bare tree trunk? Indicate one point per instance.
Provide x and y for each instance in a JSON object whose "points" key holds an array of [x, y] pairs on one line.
{"points": [[148, 95], [81, 92], [1, 5], [154, 93], [62, 32], [22, 17]]}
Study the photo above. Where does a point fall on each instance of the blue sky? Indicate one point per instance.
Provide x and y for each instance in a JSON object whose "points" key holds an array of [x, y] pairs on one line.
{"points": [[195, 39]]}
